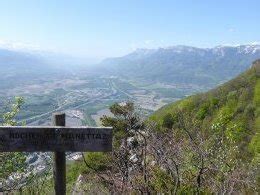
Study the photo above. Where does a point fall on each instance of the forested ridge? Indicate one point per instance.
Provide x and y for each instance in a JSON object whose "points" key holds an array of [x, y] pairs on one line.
{"points": [[225, 125]]}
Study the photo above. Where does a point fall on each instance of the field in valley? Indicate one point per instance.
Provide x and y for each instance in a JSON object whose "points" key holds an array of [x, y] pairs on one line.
{"points": [[86, 99]]}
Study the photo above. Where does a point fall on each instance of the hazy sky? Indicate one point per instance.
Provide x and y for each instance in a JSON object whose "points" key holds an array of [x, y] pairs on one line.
{"points": [[115, 27]]}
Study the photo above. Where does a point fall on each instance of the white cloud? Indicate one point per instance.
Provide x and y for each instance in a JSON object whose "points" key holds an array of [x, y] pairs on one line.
{"points": [[231, 30], [17, 45], [255, 43], [148, 42]]}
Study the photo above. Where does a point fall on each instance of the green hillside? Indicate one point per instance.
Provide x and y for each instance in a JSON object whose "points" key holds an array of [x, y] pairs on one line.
{"points": [[232, 109], [208, 143]]}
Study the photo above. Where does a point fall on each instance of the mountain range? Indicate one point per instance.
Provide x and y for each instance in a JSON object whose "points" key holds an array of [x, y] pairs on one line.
{"points": [[183, 64], [174, 65]]}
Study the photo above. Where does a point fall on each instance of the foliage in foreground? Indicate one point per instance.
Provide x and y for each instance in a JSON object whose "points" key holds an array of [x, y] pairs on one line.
{"points": [[207, 143], [225, 124], [12, 163]]}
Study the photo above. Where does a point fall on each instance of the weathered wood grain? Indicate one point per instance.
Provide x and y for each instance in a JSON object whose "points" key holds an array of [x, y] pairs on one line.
{"points": [[59, 160], [30, 139]]}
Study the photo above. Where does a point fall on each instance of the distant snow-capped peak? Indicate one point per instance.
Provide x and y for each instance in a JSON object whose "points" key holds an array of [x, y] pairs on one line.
{"points": [[183, 48], [249, 48], [242, 49]]}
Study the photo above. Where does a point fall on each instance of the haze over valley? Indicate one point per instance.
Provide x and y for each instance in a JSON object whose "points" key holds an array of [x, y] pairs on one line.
{"points": [[129, 97], [149, 77]]}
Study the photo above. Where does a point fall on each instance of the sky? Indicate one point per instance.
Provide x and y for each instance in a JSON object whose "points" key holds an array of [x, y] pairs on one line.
{"points": [[109, 28]]}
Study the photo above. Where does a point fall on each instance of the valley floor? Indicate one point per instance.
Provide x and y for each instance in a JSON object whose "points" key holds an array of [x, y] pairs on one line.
{"points": [[85, 100]]}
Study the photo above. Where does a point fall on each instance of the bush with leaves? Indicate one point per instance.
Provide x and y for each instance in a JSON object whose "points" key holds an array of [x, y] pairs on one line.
{"points": [[12, 162]]}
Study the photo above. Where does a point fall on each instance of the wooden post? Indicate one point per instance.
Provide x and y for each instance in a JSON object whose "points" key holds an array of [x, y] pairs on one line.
{"points": [[59, 168], [57, 139]]}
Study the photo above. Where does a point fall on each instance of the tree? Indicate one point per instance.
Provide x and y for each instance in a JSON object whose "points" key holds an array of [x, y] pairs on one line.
{"points": [[128, 160], [12, 162], [180, 156], [196, 161]]}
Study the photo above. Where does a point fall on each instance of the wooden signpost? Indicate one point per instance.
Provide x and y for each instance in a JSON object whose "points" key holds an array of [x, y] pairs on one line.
{"points": [[58, 139]]}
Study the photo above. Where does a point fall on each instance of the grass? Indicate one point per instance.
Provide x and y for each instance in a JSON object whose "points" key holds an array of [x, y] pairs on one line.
{"points": [[73, 171]]}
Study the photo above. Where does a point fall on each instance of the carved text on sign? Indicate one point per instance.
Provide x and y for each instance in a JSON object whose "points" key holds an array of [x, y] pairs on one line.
{"points": [[55, 139]]}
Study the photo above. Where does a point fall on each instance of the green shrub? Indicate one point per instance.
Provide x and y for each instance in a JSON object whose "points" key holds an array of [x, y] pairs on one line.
{"points": [[203, 111], [99, 161], [162, 182], [168, 121]]}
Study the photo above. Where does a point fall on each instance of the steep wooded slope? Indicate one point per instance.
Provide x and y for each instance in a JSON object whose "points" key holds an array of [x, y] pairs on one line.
{"points": [[233, 108]]}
